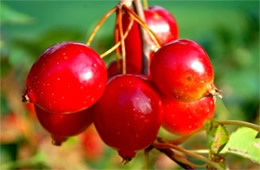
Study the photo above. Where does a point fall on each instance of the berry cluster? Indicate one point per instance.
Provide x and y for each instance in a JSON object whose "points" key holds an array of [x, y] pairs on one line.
{"points": [[68, 85]]}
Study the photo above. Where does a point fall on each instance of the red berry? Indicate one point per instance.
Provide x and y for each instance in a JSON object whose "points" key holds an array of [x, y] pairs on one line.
{"points": [[128, 115], [182, 69], [114, 68], [184, 117], [61, 125], [92, 144], [68, 77], [160, 21]]}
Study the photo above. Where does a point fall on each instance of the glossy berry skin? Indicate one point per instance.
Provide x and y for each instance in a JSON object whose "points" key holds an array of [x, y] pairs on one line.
{"points": [[182, 69], [114, 68], [61, 126], [67, 77], [128, 115], [162, 23], [182, 118]]}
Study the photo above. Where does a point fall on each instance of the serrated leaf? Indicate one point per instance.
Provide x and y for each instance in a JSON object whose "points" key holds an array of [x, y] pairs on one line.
{"points": [[217, 136], [244, 142]]}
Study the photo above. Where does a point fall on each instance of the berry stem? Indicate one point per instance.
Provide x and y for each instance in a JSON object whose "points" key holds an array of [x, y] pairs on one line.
{"points": [[145, 4], [153, 36], [122, 40], [125, 2], [161, 145], [240, 123], [182, 139], [118, 43], [146, 46], [172, 156], [201, 151], [116, 36], [146, 156], [103, 19]]}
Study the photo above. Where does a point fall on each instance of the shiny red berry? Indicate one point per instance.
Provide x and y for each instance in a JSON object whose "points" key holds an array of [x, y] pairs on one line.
{"points": [[128, 115], [67, 77], [183, 118], [182, 69], [61, 125], [160, 21]]}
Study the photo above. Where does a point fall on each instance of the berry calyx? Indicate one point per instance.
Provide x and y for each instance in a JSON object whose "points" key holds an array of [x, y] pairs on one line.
{"points": [[128, 115], [61, 126], [67, 77], [182, 69], [183, 118]]}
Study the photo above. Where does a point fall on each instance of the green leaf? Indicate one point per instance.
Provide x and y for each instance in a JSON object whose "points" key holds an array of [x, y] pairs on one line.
{"points": [[19, 58], [217, 136], [244, 142], [9, 15], [5, 109]]}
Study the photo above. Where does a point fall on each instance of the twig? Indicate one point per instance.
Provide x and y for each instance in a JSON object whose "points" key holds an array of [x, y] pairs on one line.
{"points": [[241, 123], [122, 40], [192, 154], [182, 139], [202, 151], [146, 155], [145, 4], [170, 155], [153, 36], [116, 36], [125, 2], [146, 45]]}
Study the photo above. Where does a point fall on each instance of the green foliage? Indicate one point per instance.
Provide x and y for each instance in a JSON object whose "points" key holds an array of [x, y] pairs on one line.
{"points": [[5, 154], [4, 106], [217, 136], [244, 142], [217, 139], [5, 66], [9, 15]]}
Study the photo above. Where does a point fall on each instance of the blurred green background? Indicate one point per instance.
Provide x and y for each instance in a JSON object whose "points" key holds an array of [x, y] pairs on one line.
{"points": [[228, 30]]}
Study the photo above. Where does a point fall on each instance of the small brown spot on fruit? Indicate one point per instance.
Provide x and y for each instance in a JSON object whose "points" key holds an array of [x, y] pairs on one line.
{"points": [[189, 78]]}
